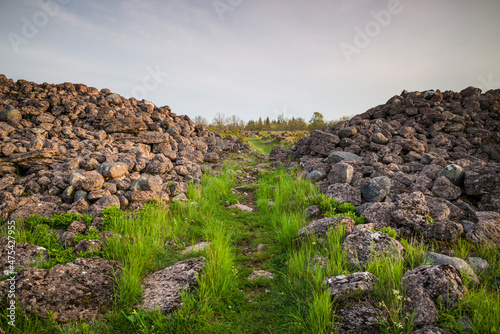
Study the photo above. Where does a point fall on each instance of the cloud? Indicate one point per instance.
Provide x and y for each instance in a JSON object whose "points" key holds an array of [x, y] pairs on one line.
{"points": [[262, 56]]}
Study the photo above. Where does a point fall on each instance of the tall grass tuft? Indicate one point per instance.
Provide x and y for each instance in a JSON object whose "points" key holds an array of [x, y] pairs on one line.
{"points": [[219, 277], [138, 250]]}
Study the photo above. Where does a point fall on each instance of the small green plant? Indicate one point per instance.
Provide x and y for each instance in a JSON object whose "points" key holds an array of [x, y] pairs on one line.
{"points": [[388, 230], [92, 234], [326, 204], [430, 220]]}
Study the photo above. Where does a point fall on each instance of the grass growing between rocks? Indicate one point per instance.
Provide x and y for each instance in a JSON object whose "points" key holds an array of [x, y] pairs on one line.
{"points": [[225, 301]]}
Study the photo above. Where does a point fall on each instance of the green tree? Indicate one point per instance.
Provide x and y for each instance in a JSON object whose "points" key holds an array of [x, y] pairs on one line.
{"points": [[317, 121]]}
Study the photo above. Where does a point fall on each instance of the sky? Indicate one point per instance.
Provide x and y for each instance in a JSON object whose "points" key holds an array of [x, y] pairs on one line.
{"points": [[255, 58]]}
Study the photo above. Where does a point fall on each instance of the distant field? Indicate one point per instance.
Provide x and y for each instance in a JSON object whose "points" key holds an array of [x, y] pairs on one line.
{"points": [[262, 145]]}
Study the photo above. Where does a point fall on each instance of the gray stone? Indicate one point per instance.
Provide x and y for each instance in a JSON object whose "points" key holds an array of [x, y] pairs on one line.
{"points": [[260, 274], [347, 132], [113, 170], [359, 319], [462, 266], [411, 213], [362, 245], [147, 183], [341, 173], [162, 289], [313, 211], [42, 209], [347, 286], [444, 230], [424, 285], [443, 187], [486, 230], [316, 175], [339, 156], [26, 255], [11, 115], [344, 193], [346, 142], [379, 214], [379, 138], [454, 173], [320, 227], [482, 180], [376, 189], [92, 180], [467, 225], [427, 158], [478, 264], [431, 330], [108, 201], [77, 291]]}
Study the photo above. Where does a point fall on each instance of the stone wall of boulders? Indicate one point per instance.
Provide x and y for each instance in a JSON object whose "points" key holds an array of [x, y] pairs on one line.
{"points": [[69, 147], [421, 154]]}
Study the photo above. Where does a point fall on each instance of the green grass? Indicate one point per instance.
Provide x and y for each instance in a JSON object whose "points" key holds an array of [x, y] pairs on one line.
{"points": [[225, 301], [261, 145]]}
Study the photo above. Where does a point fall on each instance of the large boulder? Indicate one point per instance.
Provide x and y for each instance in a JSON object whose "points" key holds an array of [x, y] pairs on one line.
{"points": [[323, 142], [443, 187], [25, 255], [359, 318], [344, 193], [376, 189], [339, 156], [482, 180], [113, 170], [320, 227], [444, 230], [75, 291], [363, 245], [341, 173], [379, 214], [411, 213], [42, 209], [425, 284], [462, 266], [486, 230]]}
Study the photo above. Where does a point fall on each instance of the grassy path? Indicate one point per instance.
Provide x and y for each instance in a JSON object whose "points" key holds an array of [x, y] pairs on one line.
{"points": [[240, 243]]}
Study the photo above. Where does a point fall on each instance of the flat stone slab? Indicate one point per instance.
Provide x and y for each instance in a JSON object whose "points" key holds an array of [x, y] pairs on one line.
{"points": [[162, 289], [196, 247], [260, 274], [241, 207], [345, 286]]}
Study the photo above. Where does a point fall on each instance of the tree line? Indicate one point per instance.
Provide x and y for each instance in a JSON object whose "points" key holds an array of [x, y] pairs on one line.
{"points": [[232, 123]]}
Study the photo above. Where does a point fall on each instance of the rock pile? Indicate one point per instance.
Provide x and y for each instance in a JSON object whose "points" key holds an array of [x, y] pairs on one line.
{"points": [[87, 149], [421, 155]]}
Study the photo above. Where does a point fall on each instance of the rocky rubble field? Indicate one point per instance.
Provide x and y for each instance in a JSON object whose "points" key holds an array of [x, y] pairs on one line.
{"points": [[70, 147], [422, 173], [421, 154]]}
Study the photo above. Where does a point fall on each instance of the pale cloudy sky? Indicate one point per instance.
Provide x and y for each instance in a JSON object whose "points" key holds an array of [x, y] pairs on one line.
{"points": [[254, 58]]}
